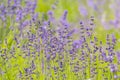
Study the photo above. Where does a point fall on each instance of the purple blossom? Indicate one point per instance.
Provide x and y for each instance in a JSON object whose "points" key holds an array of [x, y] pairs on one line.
{"points": [[63, 20], [83, 11], [113, 68], [48, 56], [19, 16], [50, 14], [90, 3], [118, 55], [25, 23], [35, 16], [65, 15]]}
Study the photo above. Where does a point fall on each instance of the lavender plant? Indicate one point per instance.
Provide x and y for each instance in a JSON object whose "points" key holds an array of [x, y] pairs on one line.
{"points": [[45, 48]]}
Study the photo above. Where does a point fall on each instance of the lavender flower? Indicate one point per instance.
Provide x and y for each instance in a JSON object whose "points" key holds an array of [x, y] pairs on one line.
{"points": [[83, 11], [118, 55]]}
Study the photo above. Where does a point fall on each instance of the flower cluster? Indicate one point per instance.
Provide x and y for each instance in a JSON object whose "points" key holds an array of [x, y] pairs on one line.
{"points": [[50, 49]]}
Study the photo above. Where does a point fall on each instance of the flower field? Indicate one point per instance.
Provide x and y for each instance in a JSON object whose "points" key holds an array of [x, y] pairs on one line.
{"points": [[59, 39]]}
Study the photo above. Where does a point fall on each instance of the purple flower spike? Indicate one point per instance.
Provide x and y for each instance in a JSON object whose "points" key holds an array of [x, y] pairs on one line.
{"points": [[118, 55], [113, 38], [90, 3], [19, 15], [63, 20], [113, 67], [76, 44], [35, 16], [65, 14], [83, 11], [48, 56], [70, 33], [61, 64], [25, 23], [50, 14]]}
